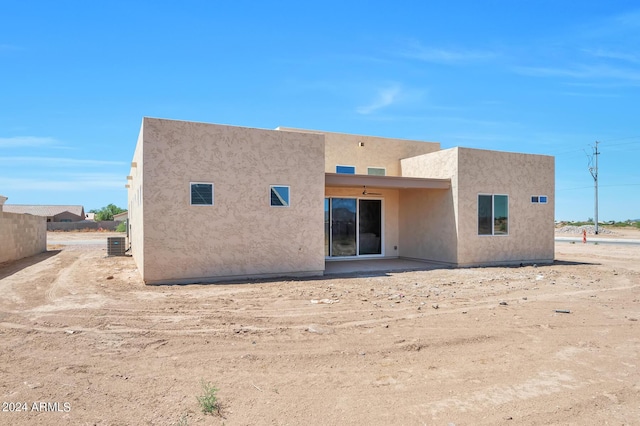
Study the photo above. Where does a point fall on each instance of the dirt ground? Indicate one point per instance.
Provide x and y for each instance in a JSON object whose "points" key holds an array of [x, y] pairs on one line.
{"points": [[84, 341]]}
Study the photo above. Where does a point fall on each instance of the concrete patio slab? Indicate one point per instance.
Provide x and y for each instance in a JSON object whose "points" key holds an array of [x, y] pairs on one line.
{"points": [[333, 267]]}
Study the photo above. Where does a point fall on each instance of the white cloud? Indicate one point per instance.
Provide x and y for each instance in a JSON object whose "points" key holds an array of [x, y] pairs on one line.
{"points": [[553, 72], [58, 162], [629, 19], [77, 183], [611, 54], [447, 56], [475, 122], [27, 141], [479, 137], [591, 95], [385, 97], [8, 47], [582, 72]]}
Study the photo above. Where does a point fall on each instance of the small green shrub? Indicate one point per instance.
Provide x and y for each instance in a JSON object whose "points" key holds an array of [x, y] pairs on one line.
{"points": [[209, 401], [122, 227], [183, 421], [625, 224]]}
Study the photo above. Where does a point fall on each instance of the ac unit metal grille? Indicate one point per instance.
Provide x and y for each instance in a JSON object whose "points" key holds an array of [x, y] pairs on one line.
{"points": [[116, 246]]}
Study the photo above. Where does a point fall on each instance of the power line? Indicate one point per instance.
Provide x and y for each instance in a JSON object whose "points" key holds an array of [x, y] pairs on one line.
{"points": [[571, 151], [568, 152], [624, 143], [620, 139], [601, 186]]}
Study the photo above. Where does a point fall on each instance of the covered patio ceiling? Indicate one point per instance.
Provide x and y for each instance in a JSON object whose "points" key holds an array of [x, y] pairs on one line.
{"points": [[397, 182]]}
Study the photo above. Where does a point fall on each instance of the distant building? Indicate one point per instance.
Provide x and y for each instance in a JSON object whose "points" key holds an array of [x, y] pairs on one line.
{"points": [[210, 202], [121, 217], [52, 213]]}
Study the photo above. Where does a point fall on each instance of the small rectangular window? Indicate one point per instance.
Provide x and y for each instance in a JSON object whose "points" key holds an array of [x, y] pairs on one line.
{"points": [[201, 194], [377, 171], [543, 199], [534, 199], [279, 196], [349, 170], [493, 215]]}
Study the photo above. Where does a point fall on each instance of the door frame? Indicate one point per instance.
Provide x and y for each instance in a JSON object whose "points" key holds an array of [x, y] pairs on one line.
{"points": [[382, 229]]}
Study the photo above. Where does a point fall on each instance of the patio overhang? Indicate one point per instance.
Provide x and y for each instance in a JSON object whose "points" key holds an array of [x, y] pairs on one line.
{"points": [[396, 182]]}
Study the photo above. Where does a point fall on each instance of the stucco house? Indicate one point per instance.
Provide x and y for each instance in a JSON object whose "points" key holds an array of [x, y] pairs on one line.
{"points": [[53, 213], [211, 202], [121, 217]]}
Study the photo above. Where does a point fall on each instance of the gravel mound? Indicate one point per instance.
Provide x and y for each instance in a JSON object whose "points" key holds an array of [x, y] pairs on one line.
{"points": [[591, 230]]}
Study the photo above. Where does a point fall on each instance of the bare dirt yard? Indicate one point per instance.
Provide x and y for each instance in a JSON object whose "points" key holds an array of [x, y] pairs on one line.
{"points": [[84, 341]]}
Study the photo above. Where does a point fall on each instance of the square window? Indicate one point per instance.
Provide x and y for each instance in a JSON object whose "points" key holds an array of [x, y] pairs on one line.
{"points": [[201, 194], [349, 170], [377, 171], [543, 199], [534, 199], [279, 196]]}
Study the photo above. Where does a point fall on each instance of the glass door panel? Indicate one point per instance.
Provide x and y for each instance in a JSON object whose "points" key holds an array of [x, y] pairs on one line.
{"points": [[370, 227], [343, 226]]}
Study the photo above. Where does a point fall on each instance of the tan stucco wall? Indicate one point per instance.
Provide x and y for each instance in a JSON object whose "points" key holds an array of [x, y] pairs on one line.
{"points": [[446, 224], [428, 218], [135, 206], [531, 226], [428, 227], [240, 235], [390, 213], [23, 235], [343, 149]]}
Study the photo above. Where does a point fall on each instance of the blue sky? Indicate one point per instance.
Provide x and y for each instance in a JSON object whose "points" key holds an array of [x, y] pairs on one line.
{"points": [[544, 77]]}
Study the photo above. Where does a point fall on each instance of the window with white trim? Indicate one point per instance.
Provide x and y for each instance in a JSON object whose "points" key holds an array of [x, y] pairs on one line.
{"points": [[376, 171], [493, 214], [201, 194], [539, 199], [348, 170], [279, 196]]}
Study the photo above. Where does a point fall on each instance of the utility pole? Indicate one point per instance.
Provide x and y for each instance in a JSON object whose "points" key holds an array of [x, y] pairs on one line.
{"points": [[594, 173]]}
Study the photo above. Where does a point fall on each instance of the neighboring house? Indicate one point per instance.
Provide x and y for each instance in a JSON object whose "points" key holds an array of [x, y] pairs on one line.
{"points": [[211, 202], [90, 216], [52, 213], [121, 217]]}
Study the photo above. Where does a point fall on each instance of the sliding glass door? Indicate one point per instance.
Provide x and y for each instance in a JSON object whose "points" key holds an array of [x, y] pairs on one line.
{"points": [[353, 227]]}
